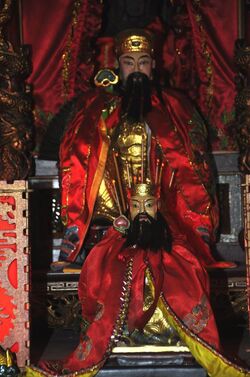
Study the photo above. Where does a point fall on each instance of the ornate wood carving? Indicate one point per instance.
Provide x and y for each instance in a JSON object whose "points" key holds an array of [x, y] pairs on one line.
{"points": [[242, 103], [242, 100], [16, 120]]}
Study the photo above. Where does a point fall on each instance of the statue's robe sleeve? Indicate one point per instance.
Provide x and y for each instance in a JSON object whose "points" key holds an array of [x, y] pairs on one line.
{"points": [[188, 195], [83, 153]]}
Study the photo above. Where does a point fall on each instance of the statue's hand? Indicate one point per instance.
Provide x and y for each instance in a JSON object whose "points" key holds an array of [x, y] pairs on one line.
{"points": [[69, 242], [68, 245]]}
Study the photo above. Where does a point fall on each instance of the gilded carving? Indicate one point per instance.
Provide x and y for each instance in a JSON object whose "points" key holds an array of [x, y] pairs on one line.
{"points": [[16, 122]]}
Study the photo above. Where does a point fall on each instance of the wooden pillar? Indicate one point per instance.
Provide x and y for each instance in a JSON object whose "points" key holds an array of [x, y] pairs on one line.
{"points": [[242, 102], [16, 118]]}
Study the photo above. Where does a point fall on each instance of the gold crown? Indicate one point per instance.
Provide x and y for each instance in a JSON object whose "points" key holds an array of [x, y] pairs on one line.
{"points": [[144, 189], [134, 40]]}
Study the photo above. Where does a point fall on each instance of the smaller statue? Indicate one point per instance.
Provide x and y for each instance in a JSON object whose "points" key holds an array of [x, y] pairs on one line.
{"points": [[134, 272]]}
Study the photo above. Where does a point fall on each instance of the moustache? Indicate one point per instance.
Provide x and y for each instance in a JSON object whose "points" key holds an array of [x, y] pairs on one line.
{"points": [[144, 217]]}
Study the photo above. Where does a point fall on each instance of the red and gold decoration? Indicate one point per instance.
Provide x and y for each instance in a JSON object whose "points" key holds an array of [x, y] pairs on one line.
{"points": [[14, 270]]}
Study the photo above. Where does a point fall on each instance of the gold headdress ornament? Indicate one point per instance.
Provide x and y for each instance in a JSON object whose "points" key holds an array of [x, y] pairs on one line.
{"points": [[141, 186], [144, 189], [134, 40]]}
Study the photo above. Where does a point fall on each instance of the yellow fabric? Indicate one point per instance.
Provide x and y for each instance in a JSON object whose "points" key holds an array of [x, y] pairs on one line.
{"points": [[35, 372], [211, 360], [158, 323], [214, 363]]}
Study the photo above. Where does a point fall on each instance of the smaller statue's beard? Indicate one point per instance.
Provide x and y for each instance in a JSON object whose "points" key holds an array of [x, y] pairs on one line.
{"points": [[148, 233], [136, 100]]}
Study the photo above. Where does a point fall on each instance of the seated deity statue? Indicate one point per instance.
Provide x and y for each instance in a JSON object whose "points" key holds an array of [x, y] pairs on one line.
{"points": [[124, 113], [140, 214], [139, 284]]}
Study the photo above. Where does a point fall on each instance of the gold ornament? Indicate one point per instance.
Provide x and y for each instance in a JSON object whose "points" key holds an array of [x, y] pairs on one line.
{"points": [[105, 77], [134, 40], [144, 189]]}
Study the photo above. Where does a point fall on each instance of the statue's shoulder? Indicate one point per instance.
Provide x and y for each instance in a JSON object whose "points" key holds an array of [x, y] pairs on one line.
{"points": [[172, 94], [94, 98]]}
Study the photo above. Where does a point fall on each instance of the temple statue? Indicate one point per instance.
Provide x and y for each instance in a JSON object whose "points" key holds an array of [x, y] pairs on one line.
{"points": [[160, 290]]}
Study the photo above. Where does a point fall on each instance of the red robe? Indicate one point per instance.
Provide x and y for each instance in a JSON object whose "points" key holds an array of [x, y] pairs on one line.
{"points": [[189, 204], [106, 281]]}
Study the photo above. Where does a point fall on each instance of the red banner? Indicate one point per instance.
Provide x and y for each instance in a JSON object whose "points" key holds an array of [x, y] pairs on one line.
{"points": [[14, 270]]}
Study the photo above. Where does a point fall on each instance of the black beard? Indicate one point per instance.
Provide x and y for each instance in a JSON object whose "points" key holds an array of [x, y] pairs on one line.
{"points": [[149, 233], [136, 100]]}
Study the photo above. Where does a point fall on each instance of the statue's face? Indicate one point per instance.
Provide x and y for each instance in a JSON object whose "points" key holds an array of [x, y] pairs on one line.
{"points": [[136, 62], [143, 204]]}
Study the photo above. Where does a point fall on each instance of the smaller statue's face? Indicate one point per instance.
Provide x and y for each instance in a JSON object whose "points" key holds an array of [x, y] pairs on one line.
{"points": [[143, 204], [136, 62]]}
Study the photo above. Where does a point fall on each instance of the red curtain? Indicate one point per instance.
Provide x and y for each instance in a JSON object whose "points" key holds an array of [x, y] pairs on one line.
{"points": [[59, 33], [214, 28], [201, 61], [46, 26]]}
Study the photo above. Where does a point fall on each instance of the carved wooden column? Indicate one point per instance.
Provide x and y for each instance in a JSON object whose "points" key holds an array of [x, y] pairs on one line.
{"points": [[242, 103], [16, 121]]}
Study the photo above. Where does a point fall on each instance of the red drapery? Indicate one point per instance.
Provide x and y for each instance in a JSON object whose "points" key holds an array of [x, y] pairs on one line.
{"points": [[201, 62], [46, 25], [59, 33], [214, 27]]}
